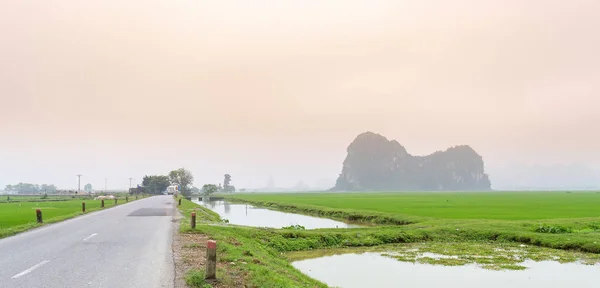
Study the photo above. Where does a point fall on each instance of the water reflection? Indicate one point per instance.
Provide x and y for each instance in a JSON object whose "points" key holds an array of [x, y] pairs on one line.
{"points": [[374, 270], [248, 215], [227, 207], [211, 204]]}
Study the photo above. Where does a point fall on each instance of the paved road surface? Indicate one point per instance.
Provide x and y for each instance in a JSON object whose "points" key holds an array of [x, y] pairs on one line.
{"points": [[109, 248]]}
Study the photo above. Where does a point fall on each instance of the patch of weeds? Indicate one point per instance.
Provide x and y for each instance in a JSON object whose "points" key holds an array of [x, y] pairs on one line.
{"points": [[552, 229], [512, 267], [594, 226], [503, 267], [403, 258], [195, 279], [294, 227], [443, 261], [192, 245]]}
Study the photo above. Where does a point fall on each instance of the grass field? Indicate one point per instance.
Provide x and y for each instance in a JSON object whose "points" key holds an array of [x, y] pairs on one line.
{"points": [[20, 216], [451, 205]]}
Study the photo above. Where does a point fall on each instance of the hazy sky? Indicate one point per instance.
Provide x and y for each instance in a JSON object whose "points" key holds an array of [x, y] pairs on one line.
{"points": [[120, 89]]}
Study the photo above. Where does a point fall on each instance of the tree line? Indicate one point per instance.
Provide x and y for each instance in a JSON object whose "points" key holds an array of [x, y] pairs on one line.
{"points": [[151, 184], [26, 188], [183, 178]]}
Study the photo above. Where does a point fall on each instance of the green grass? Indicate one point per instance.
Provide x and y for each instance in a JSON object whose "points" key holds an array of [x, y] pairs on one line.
{"points": [[21, 216], [195, 279], [449, 205], [202, 215]]}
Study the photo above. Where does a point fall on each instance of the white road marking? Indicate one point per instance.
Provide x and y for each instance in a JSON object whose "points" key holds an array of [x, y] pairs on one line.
{"points": [[90, 237], [31, 269]]}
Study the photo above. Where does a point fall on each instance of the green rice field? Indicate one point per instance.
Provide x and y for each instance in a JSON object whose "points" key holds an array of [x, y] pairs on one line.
{"points": [[19, 214], [451, 205]]}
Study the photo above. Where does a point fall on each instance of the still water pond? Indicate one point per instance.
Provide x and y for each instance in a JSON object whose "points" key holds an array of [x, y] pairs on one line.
{"points": [[248, 215], [374, 270]]}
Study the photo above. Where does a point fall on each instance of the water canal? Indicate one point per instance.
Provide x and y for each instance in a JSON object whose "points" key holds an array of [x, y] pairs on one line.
{"points": [[248, 215]]}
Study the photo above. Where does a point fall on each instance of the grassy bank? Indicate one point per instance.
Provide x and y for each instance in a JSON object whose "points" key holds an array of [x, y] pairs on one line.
{"points": [[301, 240], [242, 251], [16, 217]]}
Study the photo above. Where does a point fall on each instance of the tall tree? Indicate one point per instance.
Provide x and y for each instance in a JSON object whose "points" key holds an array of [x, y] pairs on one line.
{"points": [[227, 180], [208, 189], [183, 178], [23, 188], [146, 180], [227, 187], [156, 184], [87, 188], [48, 188]]}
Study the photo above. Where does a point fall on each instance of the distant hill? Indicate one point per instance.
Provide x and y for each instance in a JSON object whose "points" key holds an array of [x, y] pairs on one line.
{"points": [[376, 163]]}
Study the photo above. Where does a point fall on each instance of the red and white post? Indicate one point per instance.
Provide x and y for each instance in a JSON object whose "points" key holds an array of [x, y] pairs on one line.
{"points": [[211, 260]]}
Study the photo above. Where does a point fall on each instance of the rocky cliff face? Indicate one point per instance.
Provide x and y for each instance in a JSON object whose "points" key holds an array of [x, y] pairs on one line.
{"points": [[375, 163]]}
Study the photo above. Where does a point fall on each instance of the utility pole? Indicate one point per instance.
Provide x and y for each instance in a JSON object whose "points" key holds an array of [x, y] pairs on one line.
{"points": [[105, 185], [130, 183], [78, 183]]}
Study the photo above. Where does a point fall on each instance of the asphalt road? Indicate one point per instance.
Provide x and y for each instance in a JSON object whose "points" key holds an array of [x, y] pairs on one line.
{"points": [[109, 248]]}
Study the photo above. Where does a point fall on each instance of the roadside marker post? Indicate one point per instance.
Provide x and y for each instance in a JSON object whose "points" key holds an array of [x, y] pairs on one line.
{"points": [[179, 201], [38, 215], [115, 201], [193, 220], [126, 198], [102, 204], [83, 207], [211, 260]]}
